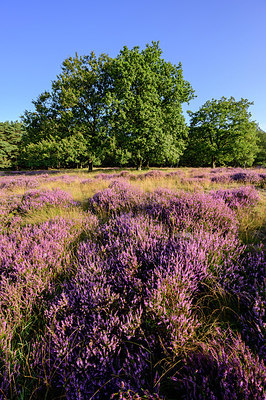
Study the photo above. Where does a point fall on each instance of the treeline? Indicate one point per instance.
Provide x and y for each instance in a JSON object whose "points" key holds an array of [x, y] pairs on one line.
{"points": [[127, 111]]}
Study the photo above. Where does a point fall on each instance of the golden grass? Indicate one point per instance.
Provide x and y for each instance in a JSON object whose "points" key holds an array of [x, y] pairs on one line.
{"points": [[252, 228], [176, 183], [49, 213], [79, 191]]}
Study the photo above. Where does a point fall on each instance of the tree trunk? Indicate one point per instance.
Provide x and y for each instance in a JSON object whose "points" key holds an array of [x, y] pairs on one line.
{"points": [[90, 166], [213, 162], [139, 165]]}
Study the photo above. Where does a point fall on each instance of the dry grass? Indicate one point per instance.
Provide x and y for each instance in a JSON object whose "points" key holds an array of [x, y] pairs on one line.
{"points": [[253, 223]]}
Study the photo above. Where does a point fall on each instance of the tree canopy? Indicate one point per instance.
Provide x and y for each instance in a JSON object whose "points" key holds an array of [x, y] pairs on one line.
{"points": [[75, 107], [261, 155], [10, 138], [221, 133], [129, 105], [127, 110], [147, 95]]}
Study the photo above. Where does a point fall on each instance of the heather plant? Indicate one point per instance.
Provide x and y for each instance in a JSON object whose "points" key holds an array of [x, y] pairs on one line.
{"points": [[32, 258], [37, 199], [12, 182], [65, 179], [223, 369], [250, 177], [191, 211], [9, 218], [158, 299], [87, 331], [152, 175], [238, 198], [33, 200], [248, 284], [221, 178], [119, 197], [131, 298]]}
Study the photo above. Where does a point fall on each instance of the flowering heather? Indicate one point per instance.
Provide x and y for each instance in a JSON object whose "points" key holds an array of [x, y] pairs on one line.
{"points": [[11, 182], [157, 300], [224, 369], [86, 181], [239, 176], [65, 179], [191, 211], [120, 196], [157, 174], [152, 174], [175, 174], [248, 177], [238, 198], [88, 343], [248, 284], [221, 178], [106, 176], [31, 259], [134, 288], [37, 199]]}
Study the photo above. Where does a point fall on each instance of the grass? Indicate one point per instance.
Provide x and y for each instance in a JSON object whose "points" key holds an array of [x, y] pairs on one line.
{"points": [[252, 228], [215, 307]]}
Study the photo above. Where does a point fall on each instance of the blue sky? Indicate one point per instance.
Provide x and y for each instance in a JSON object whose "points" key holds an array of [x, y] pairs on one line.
{"points": [[220, 43]]}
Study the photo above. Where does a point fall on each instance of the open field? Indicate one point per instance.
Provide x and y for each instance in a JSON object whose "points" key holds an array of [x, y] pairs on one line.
{"points": [[133, 285]]}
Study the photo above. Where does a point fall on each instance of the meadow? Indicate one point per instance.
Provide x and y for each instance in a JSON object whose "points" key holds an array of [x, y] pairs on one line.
{"points": [[129, 285]]}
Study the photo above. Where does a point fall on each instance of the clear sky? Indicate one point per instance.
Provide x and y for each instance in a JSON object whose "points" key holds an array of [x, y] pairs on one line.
{"points": [[220, 43]]}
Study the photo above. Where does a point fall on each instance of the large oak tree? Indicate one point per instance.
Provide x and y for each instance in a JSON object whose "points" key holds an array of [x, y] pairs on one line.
{"points": [[129, 106], [147, 99]]}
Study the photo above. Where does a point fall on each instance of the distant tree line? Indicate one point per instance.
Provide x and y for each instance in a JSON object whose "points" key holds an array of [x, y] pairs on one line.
{"points": [[127, 111], [11, 134]]}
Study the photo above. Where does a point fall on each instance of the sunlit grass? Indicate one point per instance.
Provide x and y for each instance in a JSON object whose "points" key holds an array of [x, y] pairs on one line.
{"points": [[252, 228], [174, 183], [49, 213]]}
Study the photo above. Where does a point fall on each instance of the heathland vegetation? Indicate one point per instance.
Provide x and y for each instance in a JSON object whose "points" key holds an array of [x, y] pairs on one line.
{"points": [[132, 285]]}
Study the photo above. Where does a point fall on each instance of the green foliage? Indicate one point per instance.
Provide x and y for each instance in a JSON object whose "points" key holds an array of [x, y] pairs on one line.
{"points": [[76, 103], [221, 133], [10, 137], [70, 152], [128, 109], [261, 155], [146, 101]]}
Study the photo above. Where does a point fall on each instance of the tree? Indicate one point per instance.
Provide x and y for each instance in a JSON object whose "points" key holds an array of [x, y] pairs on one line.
{"points": [[69, 152], [261, 155], [128, 107], [10, 138], [221, 133], [76, 104], [146, 104]]}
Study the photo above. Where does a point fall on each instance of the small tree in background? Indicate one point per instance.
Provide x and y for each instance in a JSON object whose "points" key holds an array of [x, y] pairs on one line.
{"points": [[10, 138], [221, 133]]}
